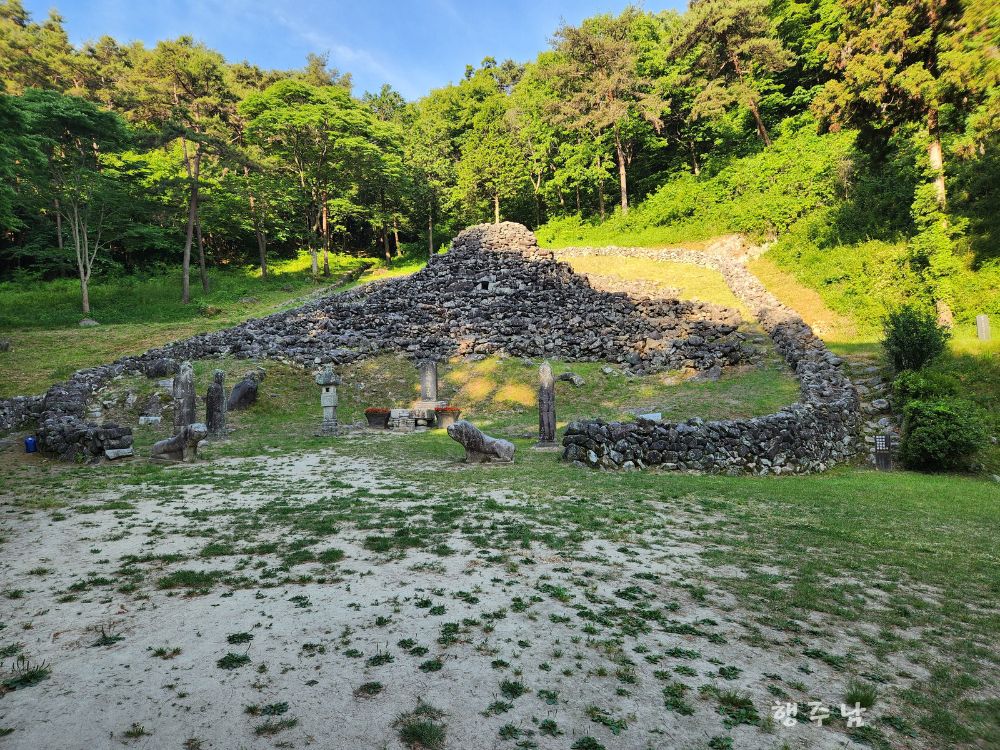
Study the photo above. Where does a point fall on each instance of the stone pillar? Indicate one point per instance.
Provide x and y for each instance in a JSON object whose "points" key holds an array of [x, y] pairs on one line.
{"points": [[185, 402], [328, 381], [215, 405], [983, 327], [546, 406], [428, 380]]}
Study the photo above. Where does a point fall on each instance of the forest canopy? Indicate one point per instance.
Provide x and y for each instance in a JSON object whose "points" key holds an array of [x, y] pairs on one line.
{"points": [[873, 122]]}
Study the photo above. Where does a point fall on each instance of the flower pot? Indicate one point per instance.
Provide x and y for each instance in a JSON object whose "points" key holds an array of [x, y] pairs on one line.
{"points": [[377, 420], [444, 418]]}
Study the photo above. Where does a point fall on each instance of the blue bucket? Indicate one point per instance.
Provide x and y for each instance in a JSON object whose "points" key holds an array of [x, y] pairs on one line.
{"points": [[30, 445]]}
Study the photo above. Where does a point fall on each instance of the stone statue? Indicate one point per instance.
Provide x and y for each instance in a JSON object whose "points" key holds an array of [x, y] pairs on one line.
{"points": [[546, 406], [181, 447], [185, 403], [215, 404], [479, 447]]}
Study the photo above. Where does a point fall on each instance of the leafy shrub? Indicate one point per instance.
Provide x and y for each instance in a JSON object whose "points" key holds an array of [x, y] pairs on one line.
{"points": [[912, 337], [941, 434], [924, 385]]}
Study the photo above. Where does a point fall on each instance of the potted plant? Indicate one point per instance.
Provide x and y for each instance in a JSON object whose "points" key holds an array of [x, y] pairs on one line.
{"points": [[378, 418], [446, 415]]}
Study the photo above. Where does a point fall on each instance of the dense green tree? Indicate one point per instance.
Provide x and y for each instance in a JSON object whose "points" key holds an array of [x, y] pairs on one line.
{"points": [[912, 61], [89, 198], [492, 165], [323, 139], [600, 88], [735, 51], [35, 55], [19, 157], [181, 87], [429, 153]]}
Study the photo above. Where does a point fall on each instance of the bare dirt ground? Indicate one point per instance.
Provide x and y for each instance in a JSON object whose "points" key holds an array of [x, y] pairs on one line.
{"points": [[316, 601]]}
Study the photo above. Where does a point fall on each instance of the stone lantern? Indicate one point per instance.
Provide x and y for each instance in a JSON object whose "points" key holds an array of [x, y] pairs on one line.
{"points": [[328, 381]]}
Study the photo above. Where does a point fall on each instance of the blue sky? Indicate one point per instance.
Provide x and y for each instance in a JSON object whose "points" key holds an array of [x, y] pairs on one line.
{"points": [[415, 46]]}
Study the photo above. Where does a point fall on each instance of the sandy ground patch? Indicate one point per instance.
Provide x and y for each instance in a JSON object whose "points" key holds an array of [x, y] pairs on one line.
{"points": [[519, 646]]}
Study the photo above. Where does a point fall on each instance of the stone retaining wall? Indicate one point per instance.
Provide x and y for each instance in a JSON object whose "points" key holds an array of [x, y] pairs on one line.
{"points": [[811, 435]]}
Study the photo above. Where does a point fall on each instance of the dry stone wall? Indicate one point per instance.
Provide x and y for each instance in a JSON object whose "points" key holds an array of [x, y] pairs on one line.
{"points": [[810, 435], [18, 410]]}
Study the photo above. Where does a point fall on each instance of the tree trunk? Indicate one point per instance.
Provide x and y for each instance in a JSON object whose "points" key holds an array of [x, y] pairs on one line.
{"points": [[936, 156], [262, 251], [189, 239], [194, 168], [430, 229], [395, 236], [600, 198], [622, 177], [85, 294], [326, 239], [695, 166], [258, 230], [538, 200], [496, 208], [761, 130], [313, 254], [385, 245], [201, 256], [59, 237], [84, 258], [578, 208]]}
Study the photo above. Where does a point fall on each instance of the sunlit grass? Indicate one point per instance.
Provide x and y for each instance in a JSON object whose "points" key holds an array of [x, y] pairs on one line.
{"points": [[826, 323], [691, 282]]}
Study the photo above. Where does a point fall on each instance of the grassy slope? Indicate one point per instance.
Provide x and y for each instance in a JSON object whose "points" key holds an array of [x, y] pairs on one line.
{"points": [[688, 281], [48, 345]]}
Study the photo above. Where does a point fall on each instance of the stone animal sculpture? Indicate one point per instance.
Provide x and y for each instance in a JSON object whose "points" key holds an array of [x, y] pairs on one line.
{"points": [[479, 447], [244, 393], [183, 446], [162, 367]]}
